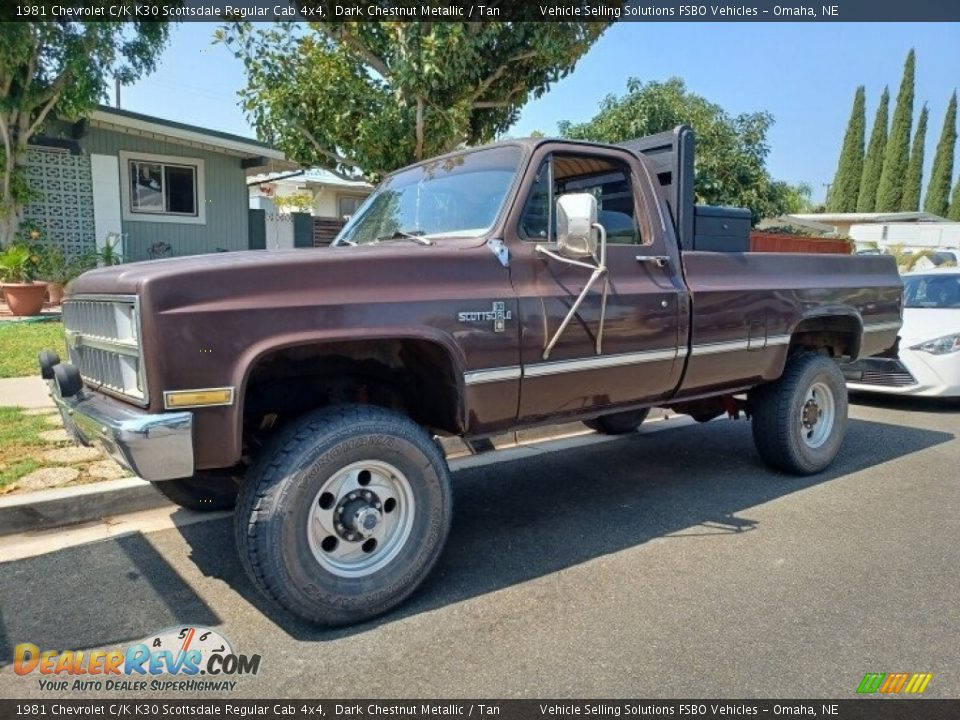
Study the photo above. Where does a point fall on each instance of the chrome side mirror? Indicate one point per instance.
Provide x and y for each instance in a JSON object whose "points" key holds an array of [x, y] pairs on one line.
{"points": [[577, 245], [576, 218]]}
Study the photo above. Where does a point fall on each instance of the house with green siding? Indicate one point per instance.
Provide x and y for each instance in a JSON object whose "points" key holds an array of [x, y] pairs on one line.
{"points": [[154, 187]]}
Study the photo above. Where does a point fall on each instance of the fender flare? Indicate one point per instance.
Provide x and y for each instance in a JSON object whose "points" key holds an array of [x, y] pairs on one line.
{"points": [[244, 364], [834, 312]]}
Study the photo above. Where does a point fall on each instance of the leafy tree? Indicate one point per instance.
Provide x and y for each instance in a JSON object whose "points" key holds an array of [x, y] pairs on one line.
{"points": [[873, 162], [846, 183], [369, 97], [294, 202], [794, 198], [913, 180], [937, 200], [731, 151], [897, 154], [60, 69]]}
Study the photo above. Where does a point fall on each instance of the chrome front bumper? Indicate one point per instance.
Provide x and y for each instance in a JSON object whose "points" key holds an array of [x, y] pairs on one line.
{"points": [[154, 447]]}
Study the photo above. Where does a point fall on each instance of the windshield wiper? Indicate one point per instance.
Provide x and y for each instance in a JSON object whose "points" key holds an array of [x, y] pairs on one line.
{"points": [[413, 235]]}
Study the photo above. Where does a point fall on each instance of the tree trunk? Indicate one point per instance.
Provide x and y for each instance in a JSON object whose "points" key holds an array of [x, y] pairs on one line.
{"points": [[419, 130], [11, 207]]}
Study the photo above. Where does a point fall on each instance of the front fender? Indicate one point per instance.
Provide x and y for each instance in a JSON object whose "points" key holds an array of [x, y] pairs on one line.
{"points": [[227, 447]]}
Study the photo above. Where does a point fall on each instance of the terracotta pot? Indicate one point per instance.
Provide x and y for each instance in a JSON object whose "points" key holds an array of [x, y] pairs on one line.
{"points": [[25, 298], [55, 293]]}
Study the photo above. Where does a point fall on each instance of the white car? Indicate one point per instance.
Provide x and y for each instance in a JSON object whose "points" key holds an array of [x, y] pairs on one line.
{"points": [[928, 363]]}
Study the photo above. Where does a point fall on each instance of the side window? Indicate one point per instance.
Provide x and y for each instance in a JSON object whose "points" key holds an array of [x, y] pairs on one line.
{"points": [[615, 205], [535, 219], [606, 180]]}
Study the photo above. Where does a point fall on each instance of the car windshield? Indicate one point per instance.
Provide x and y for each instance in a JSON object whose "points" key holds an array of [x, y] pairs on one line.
{"points": [[457, 196], [932, 291]]}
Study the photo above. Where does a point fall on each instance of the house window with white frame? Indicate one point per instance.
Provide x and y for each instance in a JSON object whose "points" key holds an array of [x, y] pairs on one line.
{"points": [[162, 188], [348, 204]]}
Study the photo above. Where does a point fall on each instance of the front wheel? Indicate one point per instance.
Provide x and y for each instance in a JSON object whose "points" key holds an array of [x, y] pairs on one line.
{"points": [[345, 514], [800, 420]]}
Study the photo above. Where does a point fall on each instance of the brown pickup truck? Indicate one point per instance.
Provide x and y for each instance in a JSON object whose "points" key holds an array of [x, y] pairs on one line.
{"points": [[523, 283]]}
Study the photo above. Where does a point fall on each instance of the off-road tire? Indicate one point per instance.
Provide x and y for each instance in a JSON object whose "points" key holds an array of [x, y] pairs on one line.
{"points": [[275, 501], [204, 492], [777, 410], [621, 423]]}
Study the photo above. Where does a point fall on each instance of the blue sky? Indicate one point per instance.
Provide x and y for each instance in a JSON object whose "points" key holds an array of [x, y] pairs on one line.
{"points": [[803, 73]]}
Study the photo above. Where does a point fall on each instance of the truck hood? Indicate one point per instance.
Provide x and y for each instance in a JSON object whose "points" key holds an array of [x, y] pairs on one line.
{"points": [[130, 278], [251, 270]]}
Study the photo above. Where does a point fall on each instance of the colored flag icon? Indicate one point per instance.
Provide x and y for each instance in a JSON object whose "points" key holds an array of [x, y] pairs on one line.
{"points": [[894, 683]]}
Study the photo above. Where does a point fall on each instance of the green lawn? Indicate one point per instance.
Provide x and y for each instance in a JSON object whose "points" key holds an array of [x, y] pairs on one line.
{"points": [[20, 342], [20, 443], [23, 450]]}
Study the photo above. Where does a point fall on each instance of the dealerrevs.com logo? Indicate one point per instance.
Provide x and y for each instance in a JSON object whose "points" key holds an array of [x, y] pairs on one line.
{"points": [[181, 659]]}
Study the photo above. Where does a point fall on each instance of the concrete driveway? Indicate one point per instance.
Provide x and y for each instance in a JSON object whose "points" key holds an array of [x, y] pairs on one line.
{"points": [[670, 563]]}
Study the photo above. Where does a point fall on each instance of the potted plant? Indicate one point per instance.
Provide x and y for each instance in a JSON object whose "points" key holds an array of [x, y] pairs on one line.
{"points": [[18, 268], [57, 270], [111, 253]]}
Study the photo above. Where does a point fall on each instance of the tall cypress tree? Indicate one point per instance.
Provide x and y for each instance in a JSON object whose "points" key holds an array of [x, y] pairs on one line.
{"points": [[937, 200], [914, 179], [897, 155], [873, 162], [846, 183], [953, 213]]}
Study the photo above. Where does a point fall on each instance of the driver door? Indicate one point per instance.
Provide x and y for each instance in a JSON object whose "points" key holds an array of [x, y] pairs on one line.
{"points": [[644, 332]]}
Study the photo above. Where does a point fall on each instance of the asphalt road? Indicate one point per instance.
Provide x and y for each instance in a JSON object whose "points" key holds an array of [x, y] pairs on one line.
{"points": [[670, 563]]}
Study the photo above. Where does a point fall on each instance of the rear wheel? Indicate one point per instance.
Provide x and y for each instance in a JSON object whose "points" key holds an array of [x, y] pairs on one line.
{"points": [[620, 423], [345, 514], [204, 492], [800, 420]]}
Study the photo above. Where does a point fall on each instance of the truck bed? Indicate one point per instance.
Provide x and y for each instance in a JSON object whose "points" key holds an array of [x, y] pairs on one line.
{"points": [[773, 294]]}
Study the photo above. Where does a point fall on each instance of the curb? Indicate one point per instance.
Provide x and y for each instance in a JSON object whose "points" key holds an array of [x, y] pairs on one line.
{"points": [[61, 507], [48, 509]]}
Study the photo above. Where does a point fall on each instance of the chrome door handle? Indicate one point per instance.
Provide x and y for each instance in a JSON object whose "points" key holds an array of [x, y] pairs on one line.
{"points": [[658, 260]]}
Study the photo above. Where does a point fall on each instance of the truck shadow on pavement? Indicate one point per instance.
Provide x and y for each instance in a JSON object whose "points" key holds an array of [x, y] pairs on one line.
{"points": [[513, 521], [94, 595], [522, 519]]}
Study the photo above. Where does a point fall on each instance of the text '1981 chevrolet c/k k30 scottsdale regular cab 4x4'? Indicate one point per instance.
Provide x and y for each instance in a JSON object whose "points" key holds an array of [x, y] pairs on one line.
{"points": [[522, 283]]}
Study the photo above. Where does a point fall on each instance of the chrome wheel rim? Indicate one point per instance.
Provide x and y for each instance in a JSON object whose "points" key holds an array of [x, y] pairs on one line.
{"points": [[817, 415], [360, 518]]}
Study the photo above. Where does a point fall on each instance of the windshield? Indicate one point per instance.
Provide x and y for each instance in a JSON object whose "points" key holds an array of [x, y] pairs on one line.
{"points": [[458, 196], [932, 291]]}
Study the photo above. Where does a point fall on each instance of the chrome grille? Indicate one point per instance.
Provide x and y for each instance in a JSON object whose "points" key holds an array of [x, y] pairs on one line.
{"points": [[103, 338], [96, 318]]}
